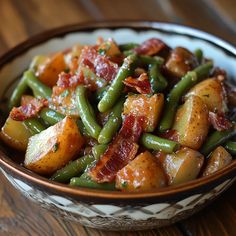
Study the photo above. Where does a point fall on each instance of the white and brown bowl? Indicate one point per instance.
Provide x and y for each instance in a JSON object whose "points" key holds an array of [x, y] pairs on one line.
{"points": [[106, 209]]}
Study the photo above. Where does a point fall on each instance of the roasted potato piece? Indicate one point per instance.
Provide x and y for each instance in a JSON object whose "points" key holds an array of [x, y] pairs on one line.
{"points": [[182, 166], [64, 101], [212, 93], [144, 105], [109, 48], [71, 57], [141, 174], [15, 134], [191, 122], [180, 62], [218, 159], [51, 149], [49, 70]]}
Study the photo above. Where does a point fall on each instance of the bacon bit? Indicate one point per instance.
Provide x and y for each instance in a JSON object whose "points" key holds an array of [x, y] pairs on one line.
{"points": [[219, 121], [150, 47], [218, 71], [171, 135], [141, 84], [29, 110], [120, 152], [99, 64]]}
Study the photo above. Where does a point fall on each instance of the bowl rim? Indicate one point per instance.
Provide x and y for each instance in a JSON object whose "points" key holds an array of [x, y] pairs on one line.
{"points": [[194, 186]]}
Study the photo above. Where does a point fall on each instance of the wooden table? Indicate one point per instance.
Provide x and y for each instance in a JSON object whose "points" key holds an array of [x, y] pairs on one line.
{"points": [[21, 19]]}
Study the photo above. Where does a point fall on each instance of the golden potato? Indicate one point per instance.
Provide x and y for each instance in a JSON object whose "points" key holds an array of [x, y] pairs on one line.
{"points": [[64, 101], [212, 93], [182, 166], [15, 134], [180, 62], [141, 174], [49, 70], [54, 147], [109, 48], [144, 105], [218, 159], [191, 122]]}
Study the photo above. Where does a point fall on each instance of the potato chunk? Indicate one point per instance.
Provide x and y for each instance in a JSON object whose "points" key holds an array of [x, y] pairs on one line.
{"points": [[49, 70], [180, 62], [64, 101], [51, 149], [191, 123], [15, 134], [182, 166], [212, 93], [219, 158], [144, 105], [141, 174]]}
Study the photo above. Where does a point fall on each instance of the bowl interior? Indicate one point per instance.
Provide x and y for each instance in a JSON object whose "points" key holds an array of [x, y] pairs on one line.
{"points": [[16, 61]]}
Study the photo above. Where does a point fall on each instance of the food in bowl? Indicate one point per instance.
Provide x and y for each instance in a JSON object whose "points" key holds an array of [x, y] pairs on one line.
{"points": [[130, 117]]}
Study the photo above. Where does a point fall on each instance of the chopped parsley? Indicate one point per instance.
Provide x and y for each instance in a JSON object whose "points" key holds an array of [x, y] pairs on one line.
{"points": [[55, 147]]}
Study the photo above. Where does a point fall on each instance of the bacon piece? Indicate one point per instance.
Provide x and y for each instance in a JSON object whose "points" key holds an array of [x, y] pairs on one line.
{"points": [[171, 135], [219, 122], [99, 64], [94, 71], [150, 47], [29, 110], [141, 84], [120, 152]]}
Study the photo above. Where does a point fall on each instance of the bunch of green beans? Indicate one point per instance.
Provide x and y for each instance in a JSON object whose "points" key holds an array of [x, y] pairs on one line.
{"points": [[173, 98]]}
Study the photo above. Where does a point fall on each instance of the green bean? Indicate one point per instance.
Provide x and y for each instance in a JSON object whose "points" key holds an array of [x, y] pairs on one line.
{"points": [[199, 55], [37, 86], [115, 90], [72, 169], [128, 46], [100, 93], [173, 98], [113, 123], [34, 125], [87, 118], [37, 60], [85, 181], [18, 92], [98, 150], [157, 81], [82, 128], [151, 141], [215, 139], [147, 60], [50, 116], [230, 146]]}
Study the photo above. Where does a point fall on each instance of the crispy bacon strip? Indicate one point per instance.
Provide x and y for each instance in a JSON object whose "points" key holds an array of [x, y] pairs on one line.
{"points": [[150, 47], [120, 152], [91, 60], [141, 84], [29, 110], [100, 64], [219, 122]]}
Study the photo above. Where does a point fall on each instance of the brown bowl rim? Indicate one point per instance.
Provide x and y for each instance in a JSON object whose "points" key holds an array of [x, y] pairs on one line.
{"points": [[195, 186]]}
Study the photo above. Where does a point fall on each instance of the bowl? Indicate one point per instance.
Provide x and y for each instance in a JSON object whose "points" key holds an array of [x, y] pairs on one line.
{"points": [[106, 209]]}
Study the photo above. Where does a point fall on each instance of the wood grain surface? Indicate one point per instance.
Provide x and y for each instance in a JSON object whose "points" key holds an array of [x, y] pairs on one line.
{"points": [[20, 19]]}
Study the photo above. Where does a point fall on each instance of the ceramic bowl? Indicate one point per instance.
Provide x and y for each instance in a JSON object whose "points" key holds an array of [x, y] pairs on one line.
{"points": [[104, 209]]}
